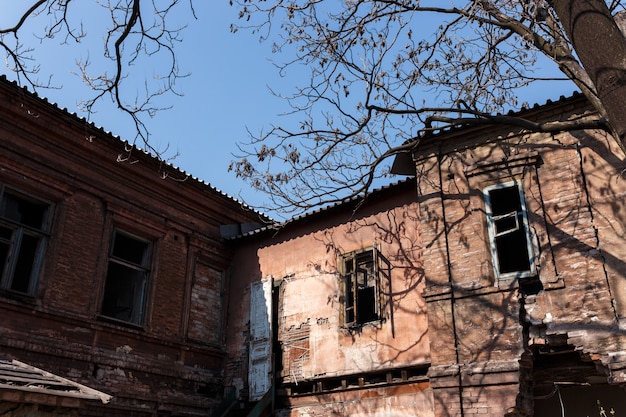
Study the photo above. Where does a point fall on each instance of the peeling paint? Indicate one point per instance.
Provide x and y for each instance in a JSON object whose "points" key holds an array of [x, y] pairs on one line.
{"points": [[124, 349]]}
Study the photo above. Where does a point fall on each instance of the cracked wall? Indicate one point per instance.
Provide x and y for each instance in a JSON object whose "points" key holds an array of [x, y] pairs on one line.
{"points": [[480, 325], [318, 353]]}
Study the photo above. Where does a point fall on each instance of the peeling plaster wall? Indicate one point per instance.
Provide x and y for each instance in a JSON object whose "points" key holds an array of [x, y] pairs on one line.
{"points": [[413, 400], [311, 297], [303, 258]]}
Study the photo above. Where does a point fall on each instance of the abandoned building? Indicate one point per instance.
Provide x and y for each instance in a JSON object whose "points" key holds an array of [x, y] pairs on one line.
{"points": [[523, 249], [112, 273], [490, 281], [339, 293]]}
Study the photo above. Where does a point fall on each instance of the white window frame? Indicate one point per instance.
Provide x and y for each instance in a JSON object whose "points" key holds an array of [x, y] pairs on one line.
{"points": [[521, 221]]}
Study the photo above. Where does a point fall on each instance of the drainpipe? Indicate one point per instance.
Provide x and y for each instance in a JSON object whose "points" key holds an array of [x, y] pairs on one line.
{"points": [[451, 282]]}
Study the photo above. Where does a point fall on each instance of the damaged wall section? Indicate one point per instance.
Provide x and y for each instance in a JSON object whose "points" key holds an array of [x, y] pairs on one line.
{"points": [[489, 330], [322, 346]]}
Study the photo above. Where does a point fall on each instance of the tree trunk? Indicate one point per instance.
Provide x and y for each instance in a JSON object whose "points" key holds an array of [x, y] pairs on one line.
{"points": [[601, 49]]}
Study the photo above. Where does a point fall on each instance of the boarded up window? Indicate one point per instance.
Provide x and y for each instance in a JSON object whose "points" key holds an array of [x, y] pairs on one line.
{"points": [[260, 366]]}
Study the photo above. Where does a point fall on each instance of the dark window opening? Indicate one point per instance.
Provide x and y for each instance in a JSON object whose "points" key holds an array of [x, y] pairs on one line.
{"points": [[126, 280], [23, 229], [363, 275], [508, 230], [23, 211]]}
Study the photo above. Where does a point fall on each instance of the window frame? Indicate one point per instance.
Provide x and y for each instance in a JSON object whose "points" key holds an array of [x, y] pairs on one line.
{"points": [[493, 234], [381, 267], [14, 242], [145, 268]]}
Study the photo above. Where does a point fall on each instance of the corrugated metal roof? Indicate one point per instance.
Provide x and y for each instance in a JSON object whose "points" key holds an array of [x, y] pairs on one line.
{"points": [[352, 199], [403, 163], [134, 147], [523, 111], [18, 376]]}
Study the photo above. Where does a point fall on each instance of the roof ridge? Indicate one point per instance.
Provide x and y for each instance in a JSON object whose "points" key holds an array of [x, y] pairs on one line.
{"points": [[81, 119]]}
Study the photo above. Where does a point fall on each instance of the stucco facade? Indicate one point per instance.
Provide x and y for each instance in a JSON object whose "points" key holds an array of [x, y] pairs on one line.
{"points": [[324, 365]]}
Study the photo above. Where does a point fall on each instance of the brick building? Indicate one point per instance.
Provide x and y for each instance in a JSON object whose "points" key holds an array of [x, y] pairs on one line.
{"points": [[512, 250], [523, 237], [498, 288], [112, 263], [334, 297]]}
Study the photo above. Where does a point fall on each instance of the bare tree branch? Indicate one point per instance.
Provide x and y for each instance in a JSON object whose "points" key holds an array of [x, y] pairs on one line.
{"points": [[380, 73], [137, 29], [387, 71]]}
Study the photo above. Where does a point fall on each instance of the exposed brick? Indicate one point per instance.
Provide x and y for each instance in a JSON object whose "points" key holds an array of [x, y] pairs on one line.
{"points": [[60, 328], [576, 214]]}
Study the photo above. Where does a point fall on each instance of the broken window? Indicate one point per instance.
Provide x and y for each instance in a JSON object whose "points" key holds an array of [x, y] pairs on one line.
{"points": [[23, 231], [509, 233], [126, 280], [364, 274]]}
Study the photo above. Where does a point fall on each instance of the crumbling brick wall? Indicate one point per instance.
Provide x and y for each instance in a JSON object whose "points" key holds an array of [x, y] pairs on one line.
{"points": [[169, 360], [481, 326]]}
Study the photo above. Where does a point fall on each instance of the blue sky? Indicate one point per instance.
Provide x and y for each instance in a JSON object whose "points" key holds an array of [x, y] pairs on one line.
{"points": [[226, 94]]}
